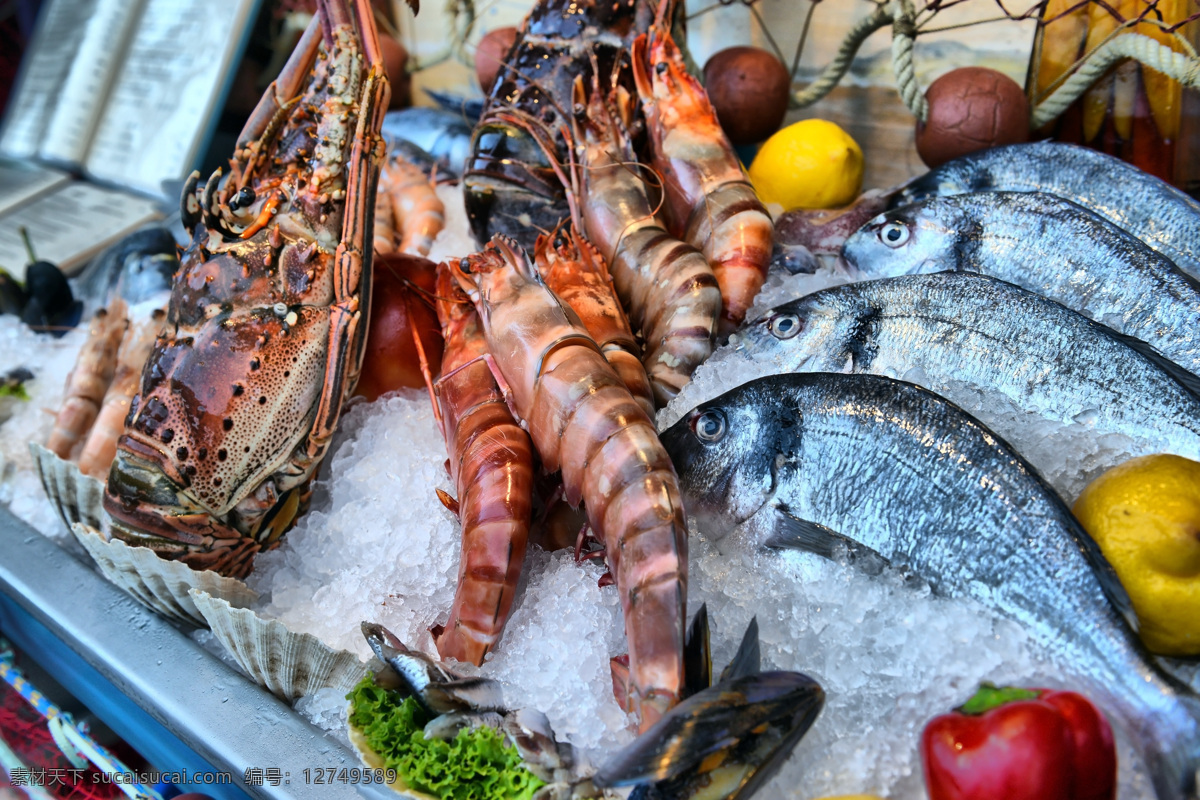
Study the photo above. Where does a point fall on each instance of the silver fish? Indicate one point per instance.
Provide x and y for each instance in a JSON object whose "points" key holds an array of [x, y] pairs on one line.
{"points": [[1049, 246], [445, 135], [891, 469], [1155, 212], [957, 332]]}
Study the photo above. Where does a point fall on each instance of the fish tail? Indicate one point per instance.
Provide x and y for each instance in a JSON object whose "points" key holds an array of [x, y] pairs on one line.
{"points": [[1174, 761]]}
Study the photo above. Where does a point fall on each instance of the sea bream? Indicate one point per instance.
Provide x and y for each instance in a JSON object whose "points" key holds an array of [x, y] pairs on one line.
{"points": [[1047, 245], [1155, 212], [957, 333], [883, 467]]}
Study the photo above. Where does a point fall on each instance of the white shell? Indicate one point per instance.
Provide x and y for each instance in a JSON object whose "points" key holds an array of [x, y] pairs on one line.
{"points": [[159, 584], [76, 497], [288, 664]]}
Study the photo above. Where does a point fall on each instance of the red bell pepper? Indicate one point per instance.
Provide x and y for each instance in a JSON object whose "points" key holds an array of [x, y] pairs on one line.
{"points": [[1020, 744]]}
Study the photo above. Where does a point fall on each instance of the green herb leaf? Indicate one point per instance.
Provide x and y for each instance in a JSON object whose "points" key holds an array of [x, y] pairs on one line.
{"points": [[475, 765]]}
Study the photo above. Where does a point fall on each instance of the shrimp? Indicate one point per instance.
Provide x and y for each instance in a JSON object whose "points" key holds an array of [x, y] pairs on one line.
{"points": [[419, 213], [101, 447], [491, 463], [384, 242], [667, 285], [574, 270], [89, 380], [709, 200], [585, 422]]}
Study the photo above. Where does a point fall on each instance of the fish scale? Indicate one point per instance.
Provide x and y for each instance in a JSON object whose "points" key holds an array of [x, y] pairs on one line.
{"points": [[875, 463]]}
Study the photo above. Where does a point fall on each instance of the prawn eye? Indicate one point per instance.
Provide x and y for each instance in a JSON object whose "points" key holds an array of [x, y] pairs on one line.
{"points": [[785, 326], [894, 234], [465, 265], [709, 426], [660, 67], [243, 198]]}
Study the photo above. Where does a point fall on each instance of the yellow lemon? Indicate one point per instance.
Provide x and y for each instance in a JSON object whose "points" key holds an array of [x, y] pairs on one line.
{"points": [[1145, 515], [811, 164]]}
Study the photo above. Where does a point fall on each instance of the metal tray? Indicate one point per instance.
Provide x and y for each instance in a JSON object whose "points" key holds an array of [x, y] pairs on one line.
{"points": [[180, 706]]}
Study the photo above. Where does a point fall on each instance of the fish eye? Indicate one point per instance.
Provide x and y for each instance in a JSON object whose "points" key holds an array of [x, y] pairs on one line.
{"points": [[785, 326], [894, 234], [709, 426]]}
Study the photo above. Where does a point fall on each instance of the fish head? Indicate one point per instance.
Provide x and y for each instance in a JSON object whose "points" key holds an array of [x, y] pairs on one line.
{"points": [[803, 335], [911, 240], [728, 454]]}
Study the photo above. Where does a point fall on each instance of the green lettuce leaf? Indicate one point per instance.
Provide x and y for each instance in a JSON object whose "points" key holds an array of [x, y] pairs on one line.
{"points": [[475, 765]]}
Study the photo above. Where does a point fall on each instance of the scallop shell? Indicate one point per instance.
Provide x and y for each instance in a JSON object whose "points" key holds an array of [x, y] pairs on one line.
{"points": [[76, 497], [159, 584], [289, 664]]}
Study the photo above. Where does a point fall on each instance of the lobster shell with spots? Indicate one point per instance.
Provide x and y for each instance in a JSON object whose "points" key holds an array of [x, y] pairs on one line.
{"points": [[265, 328]]}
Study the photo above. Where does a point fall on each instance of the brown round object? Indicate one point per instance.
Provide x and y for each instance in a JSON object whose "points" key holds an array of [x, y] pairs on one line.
{"points": [[749, 89], [489, 56], [970, 109], [395, 61]]}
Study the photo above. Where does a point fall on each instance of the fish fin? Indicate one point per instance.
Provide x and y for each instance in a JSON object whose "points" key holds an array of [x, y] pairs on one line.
{"points": [[1180, 375], [793, 533], [748, 659]]}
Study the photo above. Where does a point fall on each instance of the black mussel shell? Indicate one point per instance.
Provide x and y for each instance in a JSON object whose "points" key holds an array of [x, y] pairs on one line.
{"points": [[45, 283]]}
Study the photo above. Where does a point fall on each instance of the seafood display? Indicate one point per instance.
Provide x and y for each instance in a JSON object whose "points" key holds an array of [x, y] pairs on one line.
{"points": [[845, 457], [1034, 240], [891, 471], [1160, 215], [263, 338]]}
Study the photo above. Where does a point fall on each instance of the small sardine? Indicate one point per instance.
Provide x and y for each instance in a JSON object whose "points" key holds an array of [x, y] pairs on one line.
{"points": [[1155, 212], [957, 332], [892, 470], [1049, 246]]}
